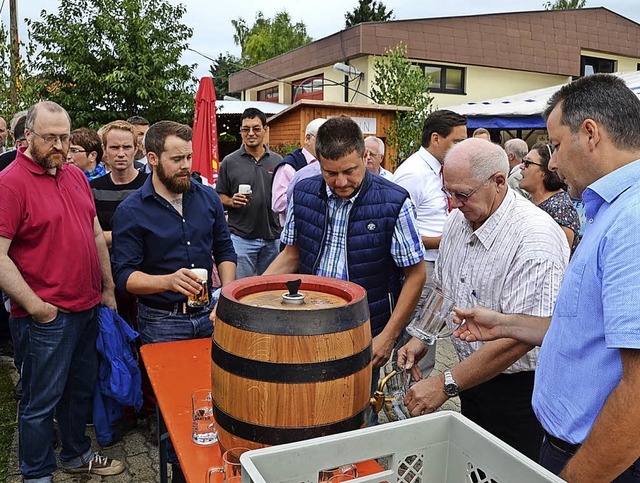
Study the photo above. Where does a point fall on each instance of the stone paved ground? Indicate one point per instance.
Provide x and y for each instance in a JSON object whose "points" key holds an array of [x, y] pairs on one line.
{"points": [[141, 456]]}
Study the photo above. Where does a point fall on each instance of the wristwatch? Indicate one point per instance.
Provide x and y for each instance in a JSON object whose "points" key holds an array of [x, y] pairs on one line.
{"points": [[450, 385]]}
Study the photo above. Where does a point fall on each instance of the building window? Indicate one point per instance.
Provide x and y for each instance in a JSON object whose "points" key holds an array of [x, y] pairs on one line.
{"points": [[445, 79], [309, 88], [269, 95], [594, 65]]}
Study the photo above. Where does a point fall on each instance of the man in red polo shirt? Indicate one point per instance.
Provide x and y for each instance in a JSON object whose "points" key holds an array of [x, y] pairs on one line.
{"points": [[54, 265]]}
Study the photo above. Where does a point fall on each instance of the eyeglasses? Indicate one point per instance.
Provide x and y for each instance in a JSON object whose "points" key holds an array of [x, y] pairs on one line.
{"points": [[464, 197], [255, 129], [374, 155], [526, 163], [52, 138], [76, 150]]}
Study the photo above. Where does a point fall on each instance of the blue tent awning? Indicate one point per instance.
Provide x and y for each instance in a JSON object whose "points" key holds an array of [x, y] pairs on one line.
{"points": [[506, 122]]}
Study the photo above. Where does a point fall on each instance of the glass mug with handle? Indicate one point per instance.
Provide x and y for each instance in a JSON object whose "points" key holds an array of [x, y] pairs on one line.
{"points": [[432, 318], [201, 299], [341, 473], [231, 466]]}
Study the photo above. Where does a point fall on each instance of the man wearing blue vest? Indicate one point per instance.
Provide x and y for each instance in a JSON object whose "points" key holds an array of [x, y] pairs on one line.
{"points": [[350, 224]]}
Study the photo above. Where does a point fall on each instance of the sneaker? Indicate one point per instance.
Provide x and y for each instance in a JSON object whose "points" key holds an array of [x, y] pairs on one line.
{"points": [[99, 465]]}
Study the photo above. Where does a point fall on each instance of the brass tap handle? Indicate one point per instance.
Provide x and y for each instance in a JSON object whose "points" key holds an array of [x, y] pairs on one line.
{"points": [[378, 398]]}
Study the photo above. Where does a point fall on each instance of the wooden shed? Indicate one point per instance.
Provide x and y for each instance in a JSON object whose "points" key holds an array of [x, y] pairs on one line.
{"points": [[286, 128]]}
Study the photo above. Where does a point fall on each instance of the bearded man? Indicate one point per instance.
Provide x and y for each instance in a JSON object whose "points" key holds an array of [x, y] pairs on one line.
{"points": [[169, 226], [163, 230], [54, 265]]}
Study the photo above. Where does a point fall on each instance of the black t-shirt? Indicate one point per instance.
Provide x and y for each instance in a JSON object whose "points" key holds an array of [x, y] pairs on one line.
{"points": [[109, 195], [258, 219], [7, 158]]}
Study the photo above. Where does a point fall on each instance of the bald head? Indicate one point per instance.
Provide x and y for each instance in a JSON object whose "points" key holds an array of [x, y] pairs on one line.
{"points": [[475, 172], [480, 158]]}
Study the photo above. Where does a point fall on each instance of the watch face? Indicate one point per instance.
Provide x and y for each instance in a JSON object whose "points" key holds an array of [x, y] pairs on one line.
{"points": [[451, 390]]}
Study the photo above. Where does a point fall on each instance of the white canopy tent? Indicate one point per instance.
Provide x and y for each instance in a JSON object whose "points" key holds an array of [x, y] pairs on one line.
{"points": [[521, 111]]}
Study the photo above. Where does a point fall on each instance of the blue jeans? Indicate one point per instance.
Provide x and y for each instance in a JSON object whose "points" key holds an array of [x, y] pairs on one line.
{"points": [[156, 325], [554, 459], [59, 370], [254, 255]]}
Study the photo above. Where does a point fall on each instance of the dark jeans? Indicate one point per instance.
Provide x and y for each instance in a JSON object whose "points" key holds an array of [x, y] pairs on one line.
{"points": [[554, 459], [59, 370], [156, 325], [502, 406]]}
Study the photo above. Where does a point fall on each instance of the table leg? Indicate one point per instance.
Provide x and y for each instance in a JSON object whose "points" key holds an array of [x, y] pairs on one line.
{"points": [[163, 435]]}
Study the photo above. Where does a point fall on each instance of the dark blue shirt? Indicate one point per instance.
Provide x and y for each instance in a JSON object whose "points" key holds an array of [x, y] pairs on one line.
{"points": [[150, 236]]}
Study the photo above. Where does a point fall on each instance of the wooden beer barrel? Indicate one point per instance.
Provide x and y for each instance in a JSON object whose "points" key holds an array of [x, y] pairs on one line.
{"points": [[284, 373]]}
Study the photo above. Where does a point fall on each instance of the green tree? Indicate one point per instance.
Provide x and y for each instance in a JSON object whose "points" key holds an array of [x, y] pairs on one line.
{"points": [[28, 86], [565, 4], [368, 11], [268, 38], [398, 82], [110, 59], [221, 69]]}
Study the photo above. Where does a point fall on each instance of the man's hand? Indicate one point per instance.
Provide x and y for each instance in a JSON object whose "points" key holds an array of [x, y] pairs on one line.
{"points": [[184, 281], [382, 347], [109, 298], [409, 354], [426, 396], [477, 324], [46, 313], [240, 201]]}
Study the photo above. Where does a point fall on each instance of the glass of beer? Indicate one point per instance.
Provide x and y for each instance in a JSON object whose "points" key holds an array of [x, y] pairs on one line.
{"points": [[201, 299]]}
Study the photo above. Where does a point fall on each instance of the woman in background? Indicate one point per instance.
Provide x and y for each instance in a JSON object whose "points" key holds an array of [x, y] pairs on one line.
{"points": [[548, 191]]}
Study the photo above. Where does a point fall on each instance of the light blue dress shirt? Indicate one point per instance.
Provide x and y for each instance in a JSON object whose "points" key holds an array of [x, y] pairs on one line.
{"points": [[597, 311]]}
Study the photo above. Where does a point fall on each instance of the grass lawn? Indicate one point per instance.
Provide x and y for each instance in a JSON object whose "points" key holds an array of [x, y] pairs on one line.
{"points": [[8, 408]]}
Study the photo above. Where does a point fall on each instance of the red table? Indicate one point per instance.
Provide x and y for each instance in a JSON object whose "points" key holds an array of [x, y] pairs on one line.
{"points": [[175, 370]]}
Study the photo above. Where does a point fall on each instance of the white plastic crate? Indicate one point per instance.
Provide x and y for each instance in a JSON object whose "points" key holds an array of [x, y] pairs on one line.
{"points": [[443, 447]]}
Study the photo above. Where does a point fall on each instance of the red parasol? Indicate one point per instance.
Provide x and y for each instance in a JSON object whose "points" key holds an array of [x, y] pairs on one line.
{"points": [[205, 132]]}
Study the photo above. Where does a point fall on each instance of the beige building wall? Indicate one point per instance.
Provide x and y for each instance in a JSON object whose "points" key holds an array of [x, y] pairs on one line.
{"points": [[481, 83]]}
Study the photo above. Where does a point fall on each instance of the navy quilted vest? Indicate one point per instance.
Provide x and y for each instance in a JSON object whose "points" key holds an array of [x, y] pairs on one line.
{"points": [[370, 229]]}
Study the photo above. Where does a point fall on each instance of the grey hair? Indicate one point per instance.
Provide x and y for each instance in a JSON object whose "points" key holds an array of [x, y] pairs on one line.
{"points": [[378, 141], [517, 147], [313, 126], [606, 99], [16, 117], [50, 106]]}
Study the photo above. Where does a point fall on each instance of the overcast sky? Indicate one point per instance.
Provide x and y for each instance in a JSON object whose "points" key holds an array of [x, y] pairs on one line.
{"points": [[213, 32]]}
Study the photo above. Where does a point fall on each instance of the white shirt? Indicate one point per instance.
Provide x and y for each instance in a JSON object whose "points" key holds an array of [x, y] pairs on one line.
{"points": [[513, 264], [420, 176], [385, 173]]}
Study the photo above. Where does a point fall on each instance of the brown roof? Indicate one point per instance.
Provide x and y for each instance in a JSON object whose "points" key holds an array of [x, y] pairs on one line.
{"points": [[547, 41]]}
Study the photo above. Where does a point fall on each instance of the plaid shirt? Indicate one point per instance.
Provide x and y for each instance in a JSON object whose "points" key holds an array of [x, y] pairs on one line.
{"points": [[100, 170], [406, 244]]}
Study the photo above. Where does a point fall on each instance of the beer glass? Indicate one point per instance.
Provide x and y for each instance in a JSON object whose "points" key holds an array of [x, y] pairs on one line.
{"points": [[201, 299], [245, 189], [204, 428], [230, 465], [432, 318]]}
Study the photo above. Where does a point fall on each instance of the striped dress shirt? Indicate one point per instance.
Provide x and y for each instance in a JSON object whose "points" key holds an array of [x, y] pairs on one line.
{"points": [[513, 263]]}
